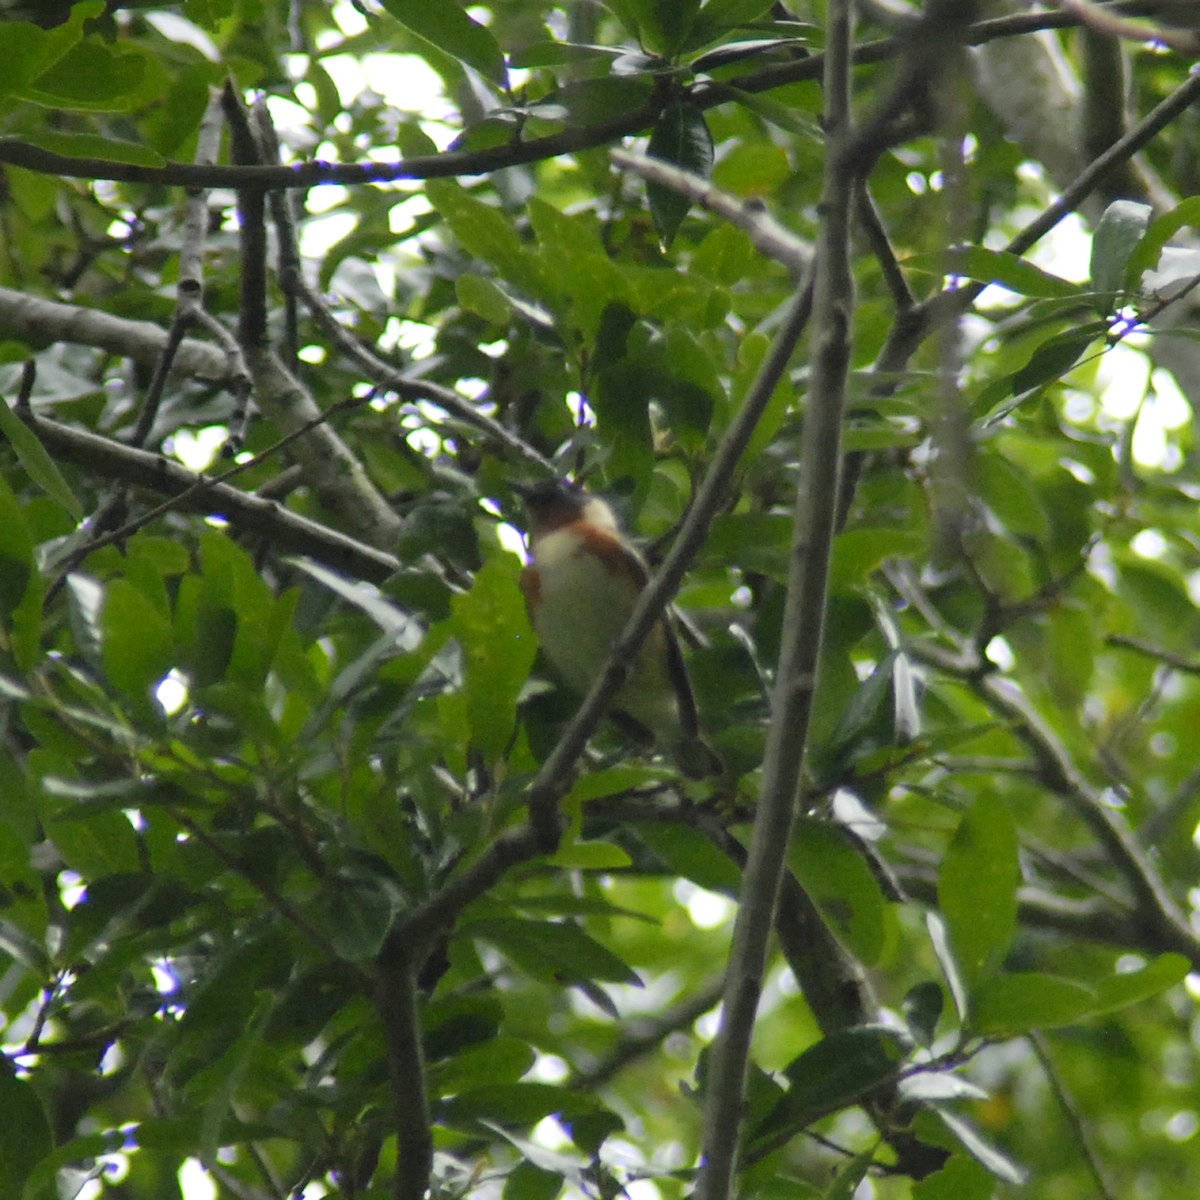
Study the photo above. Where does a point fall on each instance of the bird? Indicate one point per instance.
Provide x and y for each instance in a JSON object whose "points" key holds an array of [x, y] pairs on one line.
{"points": [[580, 586]]}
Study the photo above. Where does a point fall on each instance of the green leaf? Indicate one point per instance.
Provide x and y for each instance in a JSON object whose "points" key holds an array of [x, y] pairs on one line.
{"points": [[1121, 228], [356, 915], [93, 145], [90, 77], [485, 232], [16, 552], [231, 581], [445, 24], [104, 844], [1011, 1004], [39, 466], [661, 26], [922, 1008], [20, 947], [137, 643], [25, 1137], [28, 51], [493, 629], [688, 853], [516, 1103], [388, 616], [838, 1070], [775, 112], [729, 14], [209, 13], [977, 886], [501, 1060], [858, 553], [1131, 987], [211, 650], [996, 266], [982, 1151], [845, 1184], [555, 951], [483, 297], [939, 937], [961, 1178], [529, 1182], [1053, 359], [1148, 251], [680, 137], [591, 856], [557, 54], [841, 885], [1010, 494]]}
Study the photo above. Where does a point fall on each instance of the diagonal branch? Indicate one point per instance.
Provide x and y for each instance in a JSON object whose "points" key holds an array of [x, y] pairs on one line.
{"points": [[540, 833], [388, 378], [249, 513], [771, 238]]}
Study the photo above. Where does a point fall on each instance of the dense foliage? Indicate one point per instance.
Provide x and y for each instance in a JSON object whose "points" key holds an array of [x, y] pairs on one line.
{"points": [[305, 886]]}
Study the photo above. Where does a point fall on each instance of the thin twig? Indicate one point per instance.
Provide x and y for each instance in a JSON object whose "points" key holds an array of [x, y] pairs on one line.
{"points": [[643, 1035], [249, 513], [1156, 913], [190, 290], [280, 903], [252, 230], [283, 217], [871, 223], [948, 305], [1112, 25], [1177, 662], [205, 483], [388, 378], [815, 514], [1105, 1189], [773, 239]]}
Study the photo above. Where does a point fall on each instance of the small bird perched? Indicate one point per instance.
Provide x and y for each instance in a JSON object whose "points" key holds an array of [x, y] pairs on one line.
{"points": [[580, 588]]}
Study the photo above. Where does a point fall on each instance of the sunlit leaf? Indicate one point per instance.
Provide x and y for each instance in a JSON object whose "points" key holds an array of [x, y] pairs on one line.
{"points": [[444, 24], [977, 886]]}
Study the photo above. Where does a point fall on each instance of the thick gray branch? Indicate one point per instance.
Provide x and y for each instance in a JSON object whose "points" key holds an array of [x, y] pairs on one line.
{"points": [[248, 513], [42, 322]]}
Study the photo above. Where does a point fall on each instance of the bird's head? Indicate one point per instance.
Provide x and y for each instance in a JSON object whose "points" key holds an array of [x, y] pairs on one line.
{"points": [[554, 503]]}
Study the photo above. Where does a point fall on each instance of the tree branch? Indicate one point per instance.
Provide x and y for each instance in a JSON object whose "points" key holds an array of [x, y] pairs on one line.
{"points": [[43, 322], [815, 513], [768, 236], [704, 95], [541, 833], [1074, 1117], [249, 513], [331, 469], [396, 1002], [389, 379]]}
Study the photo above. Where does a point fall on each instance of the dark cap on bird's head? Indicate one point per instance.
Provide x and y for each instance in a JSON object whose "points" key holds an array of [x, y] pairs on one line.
{"points": [[550, 493], [552, 502]]}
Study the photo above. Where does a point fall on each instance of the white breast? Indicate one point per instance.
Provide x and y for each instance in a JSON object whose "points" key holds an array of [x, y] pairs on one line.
{"points": [[584, 609]]}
